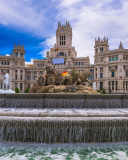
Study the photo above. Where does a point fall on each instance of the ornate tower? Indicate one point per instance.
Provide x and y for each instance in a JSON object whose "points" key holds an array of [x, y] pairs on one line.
{"points": [[19, 51], [101, 46], [64, 35]]}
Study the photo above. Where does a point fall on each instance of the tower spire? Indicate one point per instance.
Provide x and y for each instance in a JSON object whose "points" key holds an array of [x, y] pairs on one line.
{"points": [[120, 46]]}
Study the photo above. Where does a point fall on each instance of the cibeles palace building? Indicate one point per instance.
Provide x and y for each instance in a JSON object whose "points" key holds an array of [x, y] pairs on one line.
{"points": [[110, 69]]}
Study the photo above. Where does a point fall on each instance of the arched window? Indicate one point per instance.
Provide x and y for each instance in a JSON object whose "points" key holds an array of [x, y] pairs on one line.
{"points": [[62, 37]]}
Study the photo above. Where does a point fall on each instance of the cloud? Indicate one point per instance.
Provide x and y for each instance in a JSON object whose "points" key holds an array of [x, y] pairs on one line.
{"points": [[29, 63], [90, 19], [28, 16], [47, 44], [67, 3]]}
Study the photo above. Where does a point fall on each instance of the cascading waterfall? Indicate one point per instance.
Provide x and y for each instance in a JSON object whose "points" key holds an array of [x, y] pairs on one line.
{"points": [[63, 118]]}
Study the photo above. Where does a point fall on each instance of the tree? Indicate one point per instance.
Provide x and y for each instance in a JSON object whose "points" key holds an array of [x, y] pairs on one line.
{"points": [[17, 90], [26, 90]]}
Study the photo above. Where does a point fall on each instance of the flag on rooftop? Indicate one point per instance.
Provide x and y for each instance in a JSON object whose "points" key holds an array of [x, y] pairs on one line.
{"points": [[57, 49]]}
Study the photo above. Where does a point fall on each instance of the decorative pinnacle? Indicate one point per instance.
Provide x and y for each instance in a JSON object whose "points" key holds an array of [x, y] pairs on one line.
{"points": [[120, 46]]}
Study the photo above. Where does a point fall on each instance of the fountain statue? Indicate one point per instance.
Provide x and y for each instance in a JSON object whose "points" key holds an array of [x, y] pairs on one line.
{"points": [[6, 85], [94, 86], [53, 82]]}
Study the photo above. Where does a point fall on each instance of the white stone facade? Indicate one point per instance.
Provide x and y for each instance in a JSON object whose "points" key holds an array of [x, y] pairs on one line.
{"points": [[110, 69]]}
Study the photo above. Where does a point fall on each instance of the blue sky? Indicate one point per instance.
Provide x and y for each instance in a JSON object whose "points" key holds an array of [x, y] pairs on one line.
{"points": [[34, 23]]}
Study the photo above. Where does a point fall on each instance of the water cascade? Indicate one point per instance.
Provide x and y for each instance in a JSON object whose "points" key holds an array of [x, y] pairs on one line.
{"points": [[6, 85], [63, 118]]}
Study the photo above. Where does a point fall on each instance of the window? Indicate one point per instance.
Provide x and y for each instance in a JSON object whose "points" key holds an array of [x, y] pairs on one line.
{"points": [[101, 85], [126, 73], [101, 75], [79, 63], [116, 85], [110, 59], [61, 54], [96, 51], [7, 70], [1, 84], [28, 86], [109, 67], [15, 71], [16, 54], [15, 76], [5, 63], [101, 69], [28, 78], [21, 54], [116, 58], [8, 63], [116, 67], [113, 74], [113, 59], [91, 77], [96, 75], [2, 70], [2, 63], [21, 86], [76, 63], [21, 77], [101, 49], [15, 85], [34, 78], [112, 85]]}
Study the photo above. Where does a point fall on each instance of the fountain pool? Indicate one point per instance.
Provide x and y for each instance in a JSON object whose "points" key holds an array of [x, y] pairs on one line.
{"points": [[34, 151], [63, 124]]}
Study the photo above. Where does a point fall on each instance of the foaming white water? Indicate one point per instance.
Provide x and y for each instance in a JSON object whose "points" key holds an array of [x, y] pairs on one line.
{"points": [[6, 91], [63, 112]]}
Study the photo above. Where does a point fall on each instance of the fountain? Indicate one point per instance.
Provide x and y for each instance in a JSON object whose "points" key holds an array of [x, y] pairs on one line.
{"points": [[6, 85], [94, 86], [63, 118]]}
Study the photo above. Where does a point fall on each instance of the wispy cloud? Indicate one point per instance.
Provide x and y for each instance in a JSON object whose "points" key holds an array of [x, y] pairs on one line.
{"points": [[89, 19]]}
